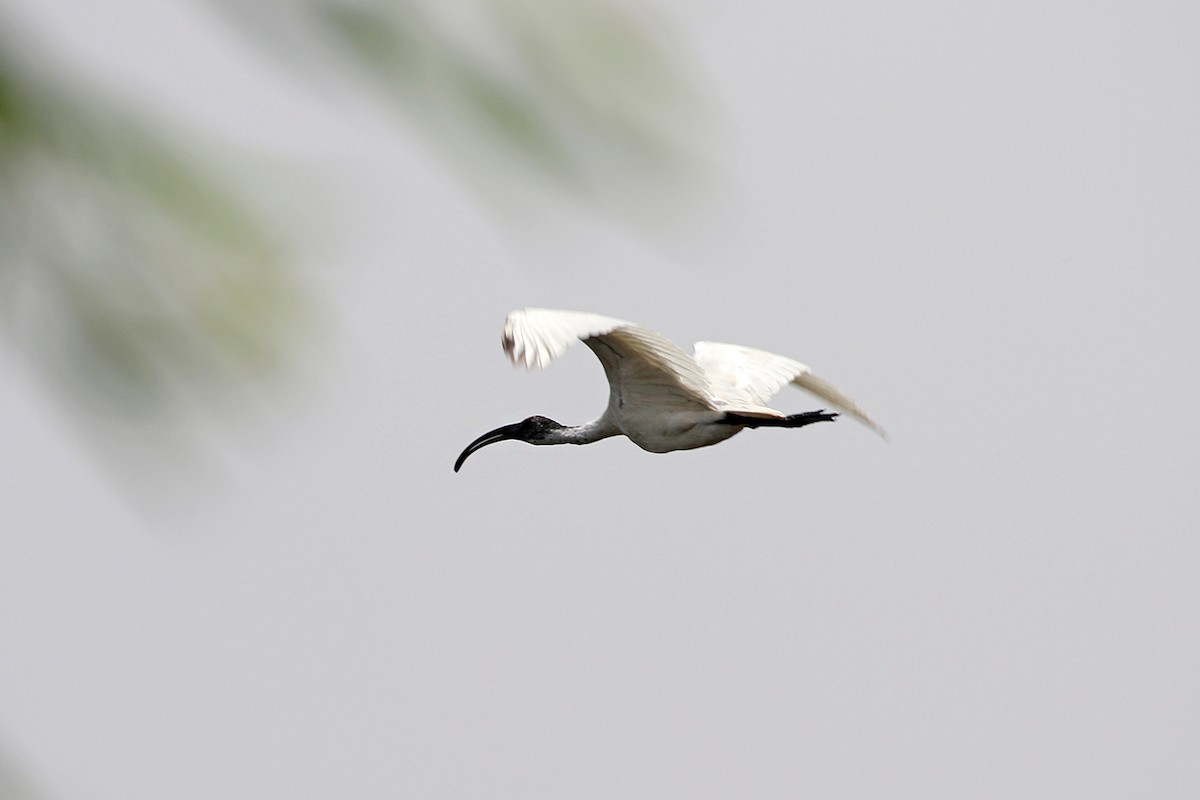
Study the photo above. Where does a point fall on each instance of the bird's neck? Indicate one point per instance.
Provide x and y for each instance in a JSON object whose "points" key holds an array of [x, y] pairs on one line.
{"points": [[586, 433]]}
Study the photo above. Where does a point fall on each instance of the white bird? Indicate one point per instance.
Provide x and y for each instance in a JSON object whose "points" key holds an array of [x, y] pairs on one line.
{"points": [[661, 398]]}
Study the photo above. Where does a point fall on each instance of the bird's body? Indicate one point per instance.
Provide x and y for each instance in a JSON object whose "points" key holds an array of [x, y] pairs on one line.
{"points": [[660, 398]]}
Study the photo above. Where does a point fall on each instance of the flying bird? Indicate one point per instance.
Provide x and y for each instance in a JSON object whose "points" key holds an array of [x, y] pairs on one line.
{"points": [[661, 398]]}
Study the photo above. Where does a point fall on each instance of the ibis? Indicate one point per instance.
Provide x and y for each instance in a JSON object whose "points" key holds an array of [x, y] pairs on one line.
{"points": [[660, 398]]}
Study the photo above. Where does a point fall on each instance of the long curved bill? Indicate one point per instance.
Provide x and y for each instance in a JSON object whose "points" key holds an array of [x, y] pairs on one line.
{"points": [[491, 437]]}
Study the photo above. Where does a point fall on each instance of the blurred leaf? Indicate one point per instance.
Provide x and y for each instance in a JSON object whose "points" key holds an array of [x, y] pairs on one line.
{"points": [[403, 52], [511, 120], [583, 97], [137, 281], [597, 60], [385, 43]]}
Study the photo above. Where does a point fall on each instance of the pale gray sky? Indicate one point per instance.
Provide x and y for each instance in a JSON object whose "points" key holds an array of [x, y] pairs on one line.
{"points": [[980, 222]]}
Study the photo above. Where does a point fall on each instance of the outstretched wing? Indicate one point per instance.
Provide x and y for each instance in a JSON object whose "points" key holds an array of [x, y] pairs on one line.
{"points": [[644, 368], [745, 376]]}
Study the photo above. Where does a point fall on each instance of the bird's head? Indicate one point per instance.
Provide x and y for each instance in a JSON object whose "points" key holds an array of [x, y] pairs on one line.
{"points": [[535, 430]]}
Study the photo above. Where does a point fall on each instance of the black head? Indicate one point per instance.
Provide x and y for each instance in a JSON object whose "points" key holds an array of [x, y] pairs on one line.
{"points": [[535, 430]]}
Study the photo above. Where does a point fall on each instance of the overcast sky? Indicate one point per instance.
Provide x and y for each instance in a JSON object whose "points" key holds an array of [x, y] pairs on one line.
{"points": [[983, 223]]}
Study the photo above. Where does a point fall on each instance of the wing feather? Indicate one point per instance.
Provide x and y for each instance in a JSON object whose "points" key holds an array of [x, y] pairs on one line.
{"points": [[538, 336], [745, 376], [643, 367]]}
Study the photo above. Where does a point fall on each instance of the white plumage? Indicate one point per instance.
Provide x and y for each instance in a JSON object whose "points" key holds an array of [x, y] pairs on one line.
{"points": [[660, 397]]}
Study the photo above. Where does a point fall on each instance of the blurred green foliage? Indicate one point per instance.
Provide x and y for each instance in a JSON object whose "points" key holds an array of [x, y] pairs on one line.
{"points": [[132, 276], [136, 276], [588, 99]]}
